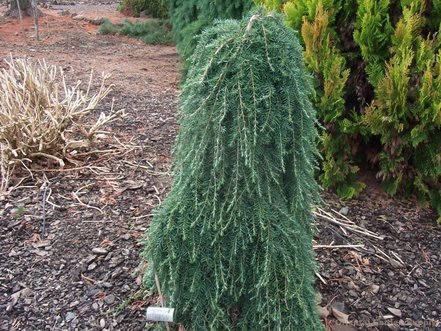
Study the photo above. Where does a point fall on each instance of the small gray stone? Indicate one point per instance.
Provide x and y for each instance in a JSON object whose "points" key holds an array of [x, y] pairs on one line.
{"points": [[340, 306], [116, 273], [344, 211], [102, 323], [93, 291], [73, 304], [352, 293], [95, 306], [109, 299], [99, 251], [70, 316], [79, 17], [91, 266], [375, 288], [90, 259], [115, 261]]}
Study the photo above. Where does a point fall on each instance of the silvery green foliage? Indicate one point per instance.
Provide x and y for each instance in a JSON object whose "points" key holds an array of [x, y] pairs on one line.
{"points": [[231, 243]]}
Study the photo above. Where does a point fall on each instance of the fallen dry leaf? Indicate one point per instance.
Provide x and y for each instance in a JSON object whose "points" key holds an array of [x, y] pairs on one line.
{"points": [[88, 279], [340, 316], [106, 243], [365, 261], [425, 256], [28, 226], [323, 312], [138, 304], [395, 311], [40, 252], [41, 243], [35, 238], [108, 200]]}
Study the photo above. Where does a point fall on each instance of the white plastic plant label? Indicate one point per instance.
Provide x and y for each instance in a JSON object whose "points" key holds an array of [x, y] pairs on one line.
{"points": [[160, 314]]}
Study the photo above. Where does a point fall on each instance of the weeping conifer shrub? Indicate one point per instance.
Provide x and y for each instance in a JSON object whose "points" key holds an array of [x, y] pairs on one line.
{"points": [[231, 244]]}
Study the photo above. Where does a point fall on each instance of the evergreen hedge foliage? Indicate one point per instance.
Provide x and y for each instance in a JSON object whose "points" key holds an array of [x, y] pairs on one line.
{"points": [[153, 32], [231, 244], [377, 65], [155, 8], [190, 17]]}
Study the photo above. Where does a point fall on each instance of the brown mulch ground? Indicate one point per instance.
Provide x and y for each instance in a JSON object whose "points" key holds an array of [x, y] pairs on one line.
{"points": [[70, 254]]}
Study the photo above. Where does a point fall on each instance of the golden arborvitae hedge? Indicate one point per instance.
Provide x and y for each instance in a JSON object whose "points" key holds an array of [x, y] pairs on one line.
{"points": [[377, 65]]}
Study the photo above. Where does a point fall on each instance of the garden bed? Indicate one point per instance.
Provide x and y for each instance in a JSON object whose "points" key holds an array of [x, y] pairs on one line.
{"points": [[70, 238]]}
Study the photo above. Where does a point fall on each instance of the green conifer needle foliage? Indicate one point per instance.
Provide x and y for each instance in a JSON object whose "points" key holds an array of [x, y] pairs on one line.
{"points": [[339, 136], [190, 17], [231, 243], [407, 112], [373, 34]]}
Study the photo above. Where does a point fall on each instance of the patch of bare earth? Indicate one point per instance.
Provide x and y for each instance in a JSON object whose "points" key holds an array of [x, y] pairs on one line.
{"points": [[70, 250]]}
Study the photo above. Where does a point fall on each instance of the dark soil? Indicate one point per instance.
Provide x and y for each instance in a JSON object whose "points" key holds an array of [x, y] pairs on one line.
{"points": [[70, 251], [397, 290]]}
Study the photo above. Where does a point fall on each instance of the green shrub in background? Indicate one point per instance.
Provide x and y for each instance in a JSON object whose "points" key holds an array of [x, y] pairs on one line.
{"points": [[155, 8], [152, 32], [377, 69], [107, 27], [190, 17], [231, 244]]}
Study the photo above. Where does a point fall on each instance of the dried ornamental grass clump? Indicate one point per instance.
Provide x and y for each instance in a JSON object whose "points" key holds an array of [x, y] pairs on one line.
{"points": [[231, 244], [41, 116]]}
